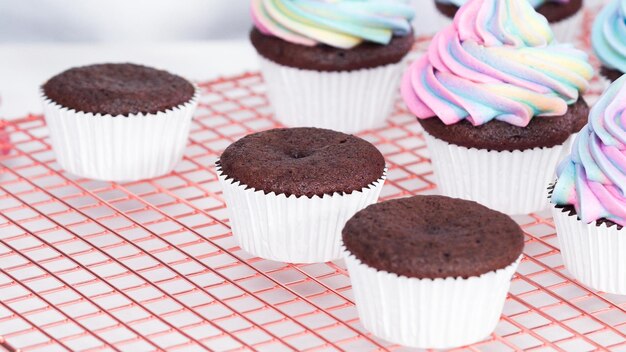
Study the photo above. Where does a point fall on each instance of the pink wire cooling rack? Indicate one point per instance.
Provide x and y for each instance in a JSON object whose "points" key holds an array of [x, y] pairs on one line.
{"points": [[152, 265]]}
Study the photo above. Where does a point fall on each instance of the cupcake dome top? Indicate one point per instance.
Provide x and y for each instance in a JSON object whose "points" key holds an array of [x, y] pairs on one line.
{"points": [[609, 35], [593, 177], [303, 162], [498, 60], [339, 23], [118, 89], [433, 237]]}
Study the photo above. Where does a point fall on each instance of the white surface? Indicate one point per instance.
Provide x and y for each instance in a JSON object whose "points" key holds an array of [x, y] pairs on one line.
{"points": [[24, 67]]}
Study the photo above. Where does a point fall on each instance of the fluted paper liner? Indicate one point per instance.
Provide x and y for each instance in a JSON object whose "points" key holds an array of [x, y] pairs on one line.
{"points": [[118, 148], [292, 229], [347, 101], [426, 313], [594, 254], [510, 182]]}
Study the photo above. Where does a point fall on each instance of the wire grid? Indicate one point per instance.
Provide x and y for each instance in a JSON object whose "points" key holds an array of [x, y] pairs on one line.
{"points": [[152, 265]]}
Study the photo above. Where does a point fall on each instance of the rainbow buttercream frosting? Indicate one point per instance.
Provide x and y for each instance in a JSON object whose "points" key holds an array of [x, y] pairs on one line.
{"points": [[609, 35], [498, 60], [593, 177], [535, 3], [338, 23]]}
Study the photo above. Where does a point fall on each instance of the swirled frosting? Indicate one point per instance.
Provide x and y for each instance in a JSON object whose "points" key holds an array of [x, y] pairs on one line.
{"points": [[338, 23], [608, 36], [593, 177], [535, 3], [498, 60]]}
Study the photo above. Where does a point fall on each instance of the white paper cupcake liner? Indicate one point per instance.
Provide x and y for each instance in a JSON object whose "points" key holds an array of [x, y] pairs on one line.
{"points": [[510, 182], [594, 255], [292, 229], [569, 29], [425, 313], [118, 148], [348, 102]]}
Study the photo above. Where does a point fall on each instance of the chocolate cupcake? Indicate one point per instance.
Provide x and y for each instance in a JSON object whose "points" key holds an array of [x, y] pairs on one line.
{"points": [[499, 104], [290, 191], [333, 65], [565, 16], [431, 271], [118, 122], [608, 41], [589, 197]]}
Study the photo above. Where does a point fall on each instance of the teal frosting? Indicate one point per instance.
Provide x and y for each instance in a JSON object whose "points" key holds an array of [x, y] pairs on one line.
{"points": [[338, 23], [609, 35]]}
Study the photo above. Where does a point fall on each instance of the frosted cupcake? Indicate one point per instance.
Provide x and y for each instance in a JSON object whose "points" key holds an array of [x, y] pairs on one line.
{"points": [[118, 122], [499, 101], [609, 41], [334, 65], [431, 271], [565, 16], [589, 197]]}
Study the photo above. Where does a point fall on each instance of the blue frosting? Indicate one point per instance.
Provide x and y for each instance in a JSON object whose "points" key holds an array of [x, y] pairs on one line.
{"points": [[609, 35]]}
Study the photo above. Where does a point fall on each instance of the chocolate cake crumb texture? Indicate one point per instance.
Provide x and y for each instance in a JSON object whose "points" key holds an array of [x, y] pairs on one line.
{"points": [[541, 132], [433, 237], [327, 58], [303, 162], [118, 89]]}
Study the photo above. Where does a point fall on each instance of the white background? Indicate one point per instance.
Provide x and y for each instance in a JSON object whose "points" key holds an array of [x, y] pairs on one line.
{"points": [[122, 20], [198, 39]]}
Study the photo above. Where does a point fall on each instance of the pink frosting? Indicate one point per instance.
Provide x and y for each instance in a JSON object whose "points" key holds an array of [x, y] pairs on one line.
{"points": [[593, 177], [490, 65]]}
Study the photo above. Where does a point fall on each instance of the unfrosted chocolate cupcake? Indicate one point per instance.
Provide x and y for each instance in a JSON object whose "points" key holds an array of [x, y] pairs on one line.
{"points": [[431, 271], [334, 64], [290, 191], [118, 122]]}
